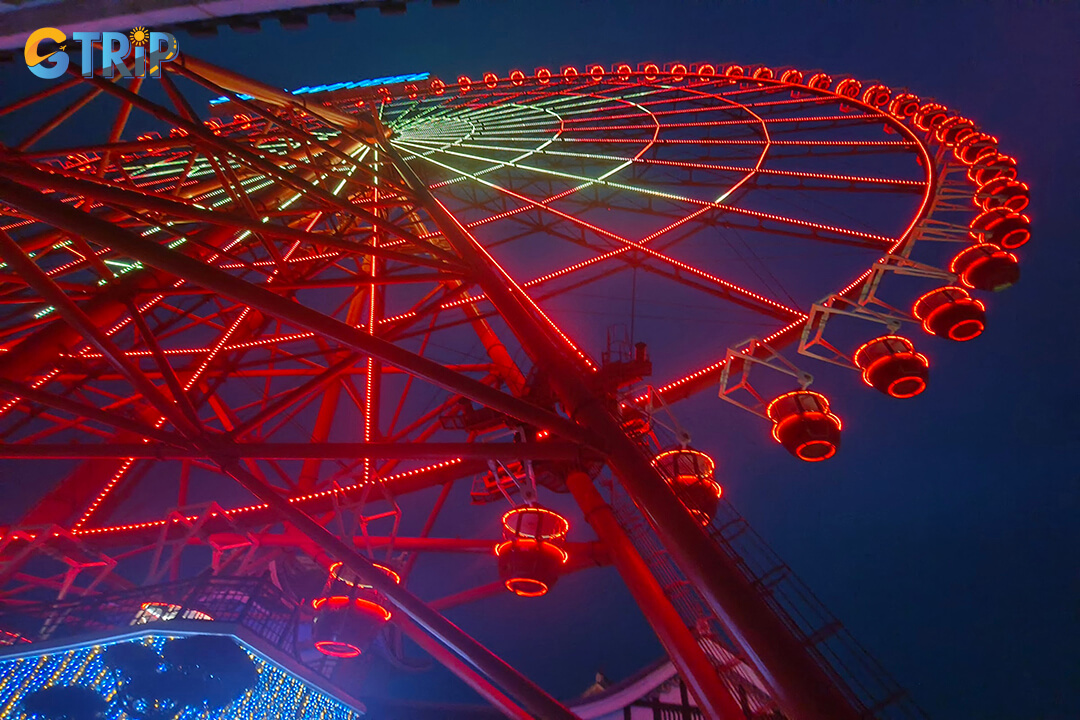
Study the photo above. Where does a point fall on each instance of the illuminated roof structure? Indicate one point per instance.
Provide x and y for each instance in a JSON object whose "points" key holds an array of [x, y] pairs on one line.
{"points": [[278, 694], [62, 644]]}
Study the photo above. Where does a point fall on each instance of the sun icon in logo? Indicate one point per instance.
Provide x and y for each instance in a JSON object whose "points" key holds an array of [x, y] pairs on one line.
{"points": [[139, 36]]}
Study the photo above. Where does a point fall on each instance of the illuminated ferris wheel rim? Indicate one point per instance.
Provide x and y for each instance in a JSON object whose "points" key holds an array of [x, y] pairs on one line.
{"points": [[697, 77], [665, 81]]}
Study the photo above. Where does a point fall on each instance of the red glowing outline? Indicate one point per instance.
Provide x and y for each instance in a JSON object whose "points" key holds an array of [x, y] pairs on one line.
{"points": [[337, 649], [340, 601], [561, 521], [530, 545], [513, 582], [685, 451], [336, 566], [980, 326], [814, 443]]}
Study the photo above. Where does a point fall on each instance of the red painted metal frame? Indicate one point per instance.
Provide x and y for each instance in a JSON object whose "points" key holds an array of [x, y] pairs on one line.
{"points": [[702, 678], [241, 299]]}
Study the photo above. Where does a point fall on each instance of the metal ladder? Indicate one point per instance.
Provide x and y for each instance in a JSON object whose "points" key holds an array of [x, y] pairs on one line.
{"points": [[867, 685]]}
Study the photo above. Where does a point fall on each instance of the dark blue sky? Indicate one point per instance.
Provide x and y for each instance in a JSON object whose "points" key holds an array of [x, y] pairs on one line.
{"points": [[945, 533]]}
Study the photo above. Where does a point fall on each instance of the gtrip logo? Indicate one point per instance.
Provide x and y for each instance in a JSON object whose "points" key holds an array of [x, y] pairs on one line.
{"points": [[150, 49]]}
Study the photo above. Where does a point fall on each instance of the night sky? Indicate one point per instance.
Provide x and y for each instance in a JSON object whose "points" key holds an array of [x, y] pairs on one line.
{"points": [[945, 533]]}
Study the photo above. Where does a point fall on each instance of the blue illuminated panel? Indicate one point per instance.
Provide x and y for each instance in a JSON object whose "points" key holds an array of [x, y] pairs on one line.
{"points": [[277, 693]]}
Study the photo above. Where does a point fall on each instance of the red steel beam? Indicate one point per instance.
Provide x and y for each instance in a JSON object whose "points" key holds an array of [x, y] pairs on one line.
{"points": [[586, 553], [287, 451], [799, 684], [105, 234], [690, 660], [469, 676]]}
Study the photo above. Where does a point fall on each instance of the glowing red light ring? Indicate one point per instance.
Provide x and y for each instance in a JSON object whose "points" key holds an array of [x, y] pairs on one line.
{"points": [[920, 304], [792, 77], [709, 462], [1008, 241], [365, 606], [894, 387], [822, 400], [560, 521], [512, 585], [849, 88], [978, 325], [530, 545], [887, 341], [877, 95], [795, 417], [336, 566], [815, 443], [337, 649]]}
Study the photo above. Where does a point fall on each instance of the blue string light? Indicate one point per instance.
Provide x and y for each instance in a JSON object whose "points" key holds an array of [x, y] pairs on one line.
{"points": [[308, 90], [277, 693]]}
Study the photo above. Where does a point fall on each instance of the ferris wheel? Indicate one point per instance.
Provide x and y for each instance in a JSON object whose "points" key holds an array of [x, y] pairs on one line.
{"points": [[286, 336]]}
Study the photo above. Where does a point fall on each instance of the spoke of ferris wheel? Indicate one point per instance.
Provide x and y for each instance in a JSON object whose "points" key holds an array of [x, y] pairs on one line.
{"points": [[717, 89], [866, 118], [305, 137], [654, 193], [585, 263], [709, 141], [495, 112], [763, 304], [783, 104], [701, 166], [424, 106], [495, 109], [760, 302], [670, 95]]}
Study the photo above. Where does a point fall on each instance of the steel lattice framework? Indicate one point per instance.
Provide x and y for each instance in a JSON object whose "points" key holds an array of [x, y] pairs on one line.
{"points": [[338, 297]]}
